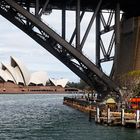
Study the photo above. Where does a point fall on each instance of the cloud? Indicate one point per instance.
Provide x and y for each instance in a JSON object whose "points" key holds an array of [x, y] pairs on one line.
{"points": [[13, 42]]}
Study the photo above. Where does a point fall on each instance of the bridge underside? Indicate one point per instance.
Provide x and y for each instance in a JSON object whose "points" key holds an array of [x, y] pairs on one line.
{"points": [[130, 7], [18, 12]]}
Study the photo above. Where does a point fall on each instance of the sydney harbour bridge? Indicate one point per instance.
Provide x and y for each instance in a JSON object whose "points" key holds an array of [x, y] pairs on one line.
{"points": [[122, 21]]}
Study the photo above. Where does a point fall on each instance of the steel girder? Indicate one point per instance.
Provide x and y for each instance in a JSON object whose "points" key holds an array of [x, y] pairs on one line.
{"points": [[56, 45], [130, 7]]}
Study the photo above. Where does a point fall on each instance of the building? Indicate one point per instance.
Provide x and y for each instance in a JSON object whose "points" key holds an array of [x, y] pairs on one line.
{"points": [[16, 78]]}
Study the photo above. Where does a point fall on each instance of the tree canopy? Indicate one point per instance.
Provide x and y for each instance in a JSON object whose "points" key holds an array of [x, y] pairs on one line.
{"points": [[130, 82], [80, 85]]}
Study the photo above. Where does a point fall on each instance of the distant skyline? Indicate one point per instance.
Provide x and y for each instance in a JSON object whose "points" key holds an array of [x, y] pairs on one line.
{"points": [[13, 42]]}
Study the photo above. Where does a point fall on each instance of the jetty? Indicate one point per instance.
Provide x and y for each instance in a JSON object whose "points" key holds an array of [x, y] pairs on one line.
{"points": [[103, 114]]}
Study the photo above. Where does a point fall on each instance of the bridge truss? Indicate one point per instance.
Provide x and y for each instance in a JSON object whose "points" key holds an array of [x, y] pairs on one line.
{"points": [[19, 13]]}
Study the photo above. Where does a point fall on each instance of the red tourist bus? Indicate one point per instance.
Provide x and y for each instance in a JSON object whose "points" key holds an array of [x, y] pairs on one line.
{"points": [[134, 103]]}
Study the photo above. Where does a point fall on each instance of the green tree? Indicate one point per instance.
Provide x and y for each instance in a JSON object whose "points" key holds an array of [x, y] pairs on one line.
{"points": [[130, 82], [80, 85]]}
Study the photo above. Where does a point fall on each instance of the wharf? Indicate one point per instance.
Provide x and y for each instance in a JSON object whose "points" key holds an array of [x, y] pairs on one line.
{"points": [[103, 115], [80, 104]]}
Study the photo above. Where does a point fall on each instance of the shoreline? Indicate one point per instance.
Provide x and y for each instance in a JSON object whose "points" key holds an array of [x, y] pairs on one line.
{"points": [[71, 93]]}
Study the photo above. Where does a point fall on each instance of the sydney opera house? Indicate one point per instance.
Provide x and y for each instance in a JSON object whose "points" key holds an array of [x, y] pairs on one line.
{"points": [[16, 78]]}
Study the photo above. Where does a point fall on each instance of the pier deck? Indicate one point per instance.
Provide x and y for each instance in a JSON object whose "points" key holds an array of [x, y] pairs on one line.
{"points": [[105, 117]]}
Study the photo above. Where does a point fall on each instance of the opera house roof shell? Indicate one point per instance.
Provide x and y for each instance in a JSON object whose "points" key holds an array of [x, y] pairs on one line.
{"points": [[60, 82], [17, 73]]}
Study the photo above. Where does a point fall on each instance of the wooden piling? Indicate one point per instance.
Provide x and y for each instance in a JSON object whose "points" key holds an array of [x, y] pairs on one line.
{"points": [[98, 114], [137, 118], [108, 116], [122, 117]]}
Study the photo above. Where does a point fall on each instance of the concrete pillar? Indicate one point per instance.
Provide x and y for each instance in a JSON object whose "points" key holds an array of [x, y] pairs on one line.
{"points": [[122, 117]]}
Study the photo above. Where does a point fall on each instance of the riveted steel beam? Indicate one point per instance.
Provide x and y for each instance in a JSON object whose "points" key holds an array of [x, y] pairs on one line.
{"points": [[104, 25], [63, 23], [117, 30], [74, 32], [78, 25], [90, 24], [98, 40], [43, 8], [37, 7]]}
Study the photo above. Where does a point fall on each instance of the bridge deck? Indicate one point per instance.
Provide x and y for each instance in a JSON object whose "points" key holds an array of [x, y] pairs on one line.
{"points": [[131, 7]]}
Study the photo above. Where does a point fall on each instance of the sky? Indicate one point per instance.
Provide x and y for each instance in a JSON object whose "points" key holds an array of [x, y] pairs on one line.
{"points": [[13, 42]]}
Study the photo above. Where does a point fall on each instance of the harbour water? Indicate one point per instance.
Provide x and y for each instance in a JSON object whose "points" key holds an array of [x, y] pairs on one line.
{"points": [[44, 117]]}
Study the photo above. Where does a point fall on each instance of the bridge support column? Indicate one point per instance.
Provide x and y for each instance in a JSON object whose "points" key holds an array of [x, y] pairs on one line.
{"points": [[37, 8], [98, 40], [63, 22], [117, 34], [129, 49], [78, 25]]}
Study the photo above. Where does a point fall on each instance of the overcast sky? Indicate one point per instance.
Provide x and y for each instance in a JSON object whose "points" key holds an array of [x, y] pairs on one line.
{"points": [[13, 42]]}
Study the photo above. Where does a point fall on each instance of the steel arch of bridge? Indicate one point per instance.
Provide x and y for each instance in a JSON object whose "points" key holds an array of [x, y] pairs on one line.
{"points": [[18, 12]]}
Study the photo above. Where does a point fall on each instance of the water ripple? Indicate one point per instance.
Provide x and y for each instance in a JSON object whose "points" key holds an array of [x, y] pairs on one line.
{"points": [[44, 117]]}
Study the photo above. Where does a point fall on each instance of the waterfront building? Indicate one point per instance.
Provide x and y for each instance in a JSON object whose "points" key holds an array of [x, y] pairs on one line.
{"points": [[15, 77]]}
